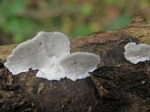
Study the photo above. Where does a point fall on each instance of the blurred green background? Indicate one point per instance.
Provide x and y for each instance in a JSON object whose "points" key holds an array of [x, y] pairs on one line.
{"points": [[23, 19]]}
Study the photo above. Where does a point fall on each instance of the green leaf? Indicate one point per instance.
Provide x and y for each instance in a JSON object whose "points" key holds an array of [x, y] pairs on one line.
{"points": [[80, 30], [86, 9], [118, 22], [16, 7], [17, 38]]}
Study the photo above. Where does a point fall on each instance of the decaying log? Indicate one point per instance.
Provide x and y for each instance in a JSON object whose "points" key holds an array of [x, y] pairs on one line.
{"points": [[116, 86]]}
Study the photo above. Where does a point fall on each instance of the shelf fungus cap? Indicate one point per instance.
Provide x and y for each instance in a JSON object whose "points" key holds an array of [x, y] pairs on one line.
{"points": [[56, 44], [137, 52], [78, 64], [42, 53]]}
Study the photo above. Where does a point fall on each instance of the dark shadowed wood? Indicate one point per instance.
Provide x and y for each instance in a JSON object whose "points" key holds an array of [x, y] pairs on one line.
{"points": [[116, 86]]}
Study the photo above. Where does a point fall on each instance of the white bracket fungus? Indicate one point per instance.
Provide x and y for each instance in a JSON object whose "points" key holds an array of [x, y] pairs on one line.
{"points": [[137, 53], [77, 65], [50, 54]]}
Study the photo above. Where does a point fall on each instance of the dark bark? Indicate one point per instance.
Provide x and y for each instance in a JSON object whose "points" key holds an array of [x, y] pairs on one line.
{"points": [[119, 86]]}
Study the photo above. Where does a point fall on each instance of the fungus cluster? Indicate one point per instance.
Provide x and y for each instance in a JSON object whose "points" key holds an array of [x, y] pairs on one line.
{"points": [[137, 53], [49, 52]]}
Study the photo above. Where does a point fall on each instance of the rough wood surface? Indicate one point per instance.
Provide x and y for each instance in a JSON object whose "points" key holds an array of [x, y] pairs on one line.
{"points": [[119, 86]]}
